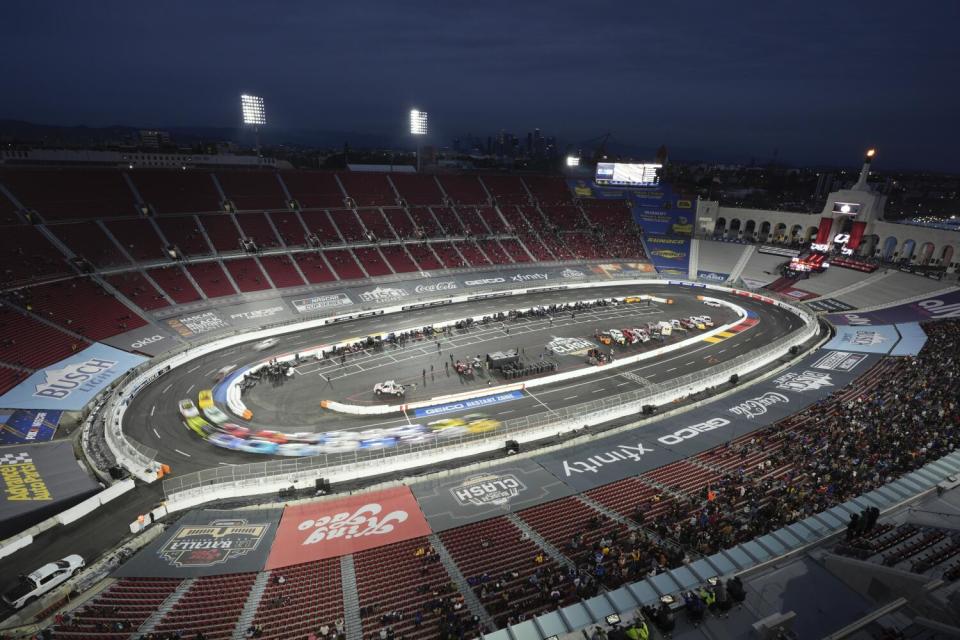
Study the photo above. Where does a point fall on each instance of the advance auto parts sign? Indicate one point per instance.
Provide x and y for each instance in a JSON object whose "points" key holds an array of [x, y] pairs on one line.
{"points": [[208, 543], [332, 528]]}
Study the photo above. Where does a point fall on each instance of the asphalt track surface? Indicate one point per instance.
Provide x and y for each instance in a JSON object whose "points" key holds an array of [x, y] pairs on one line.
{"points": [[153, 419]]}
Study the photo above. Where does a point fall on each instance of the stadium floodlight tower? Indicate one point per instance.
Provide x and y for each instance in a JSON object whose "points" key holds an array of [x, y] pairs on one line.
{"points": [[418, 129], [253, 115]]}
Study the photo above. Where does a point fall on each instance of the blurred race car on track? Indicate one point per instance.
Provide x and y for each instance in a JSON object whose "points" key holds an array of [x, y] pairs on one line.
{"points": [[205, 399], [214, 415], [271, 436], [188, 409], [711, 303], [266, 344], [235, 430], [200, 427], [480, 423]]}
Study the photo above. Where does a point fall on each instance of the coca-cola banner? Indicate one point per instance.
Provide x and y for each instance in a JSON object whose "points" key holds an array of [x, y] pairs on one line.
{"points": [[332, 528]]}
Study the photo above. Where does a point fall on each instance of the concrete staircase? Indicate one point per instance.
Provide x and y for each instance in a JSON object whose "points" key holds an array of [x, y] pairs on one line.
{"points": [[352, 622], [150, 624], [469, 597], [250, 606], [551, 550], [738, 268]]}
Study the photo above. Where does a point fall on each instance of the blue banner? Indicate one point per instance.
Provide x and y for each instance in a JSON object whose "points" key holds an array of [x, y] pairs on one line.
{"points": [[713, 276], [877, 339], [21, 426], [71, 383], [912, 339], [670, 255], [463, 405], [658, 210]]}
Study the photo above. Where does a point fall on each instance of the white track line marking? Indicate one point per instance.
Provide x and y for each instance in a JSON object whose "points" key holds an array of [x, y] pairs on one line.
{"points": [[155, 433], [182, 453], [570, 397], [226, 464], [669, 370], [194, 369], [167, 388], [539, 401], [153, 410], [622, 383], [190, 389], [503, 413]]}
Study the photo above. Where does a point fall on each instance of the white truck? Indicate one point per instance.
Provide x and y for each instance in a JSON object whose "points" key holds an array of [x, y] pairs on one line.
{"points": [[50, 575], [389, 388]]}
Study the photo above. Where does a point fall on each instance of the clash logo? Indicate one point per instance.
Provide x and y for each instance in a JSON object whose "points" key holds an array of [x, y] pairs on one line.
{"points": [[486, 490], [205, 545], [570, 346]]}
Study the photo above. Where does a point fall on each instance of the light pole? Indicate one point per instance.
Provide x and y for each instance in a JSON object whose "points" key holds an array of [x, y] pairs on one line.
{"points": [[418, 129], [253, 115]]}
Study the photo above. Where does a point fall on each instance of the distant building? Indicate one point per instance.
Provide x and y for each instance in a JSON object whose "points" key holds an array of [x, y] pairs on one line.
{"points": [[153, 139]]}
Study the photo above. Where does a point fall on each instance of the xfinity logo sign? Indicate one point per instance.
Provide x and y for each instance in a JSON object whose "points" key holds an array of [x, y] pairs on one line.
{"points": [[525, 277], [940, 309], [758, 406], [805, 381], [486, 490], [145, 341], [448, 285], [483, 281], [693, 431], [623, 453], [60, 383]]}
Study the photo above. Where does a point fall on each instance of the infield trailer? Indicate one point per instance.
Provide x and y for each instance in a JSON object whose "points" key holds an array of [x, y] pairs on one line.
{"points": [[270, 476]]}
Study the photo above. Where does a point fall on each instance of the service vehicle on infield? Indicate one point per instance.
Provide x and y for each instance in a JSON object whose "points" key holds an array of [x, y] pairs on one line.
{"points": [[389, 388], [32, 586]]}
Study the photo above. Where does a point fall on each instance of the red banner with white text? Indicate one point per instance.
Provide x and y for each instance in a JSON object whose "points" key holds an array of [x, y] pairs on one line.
{"points": [[332, 528]]}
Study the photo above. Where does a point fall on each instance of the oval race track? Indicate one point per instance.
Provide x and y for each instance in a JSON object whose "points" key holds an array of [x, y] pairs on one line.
{"points": [[152, 417]]}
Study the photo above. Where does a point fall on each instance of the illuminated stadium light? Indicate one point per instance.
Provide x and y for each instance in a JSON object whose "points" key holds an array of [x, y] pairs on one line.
{"points": [[253, 112], [418, 122], [573, 161]]}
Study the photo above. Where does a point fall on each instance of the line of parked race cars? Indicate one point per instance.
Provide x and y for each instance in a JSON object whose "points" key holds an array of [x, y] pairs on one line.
{"points": [[213, 425], [654, 330]]}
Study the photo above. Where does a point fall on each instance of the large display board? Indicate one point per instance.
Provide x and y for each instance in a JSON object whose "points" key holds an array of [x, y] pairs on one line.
{"points": [[624, 174]]}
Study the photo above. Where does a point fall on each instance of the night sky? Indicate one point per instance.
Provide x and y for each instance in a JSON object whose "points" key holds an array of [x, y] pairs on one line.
{"points": [[819, 81]]}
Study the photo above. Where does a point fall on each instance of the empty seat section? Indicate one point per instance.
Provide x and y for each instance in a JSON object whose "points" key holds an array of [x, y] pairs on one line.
{"points": [[494, 251], [473, 255], [368, 189], [27, 256], [534, 218], [506, 189], [515, 250], [252, 190], [371, 260], [62, 194], [448, 219], [314, 269], [139, 238], [344, 264], [290, 228], [222, 231], [211, 606], [8, 210], [9, 378], [313, 189], [256, 226], [247, 274], [492, 218], [549, 190], [128, 600], [398, 258], [424, 257], [451, 259], [608, 213], [282, 271], [318, 223], [83, 306], [27, 342], [516, 220], [393, 578], [89, 241], [400, 221], [170, 191], [138, 290], [374, 221], [472, 221], [185, 234], [556, 245], [566, 218], [348, 224], [539, 251], [311, 596], [210, 277], [582, 245], [426, 224], [175, 284], [417, 189], [463, 189]]}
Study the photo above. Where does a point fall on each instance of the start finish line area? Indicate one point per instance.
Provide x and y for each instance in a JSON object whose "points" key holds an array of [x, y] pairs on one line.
{"points": [[427, 367]]}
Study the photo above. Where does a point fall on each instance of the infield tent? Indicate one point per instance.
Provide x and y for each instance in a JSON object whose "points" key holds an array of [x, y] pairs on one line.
{"points": [[39, 481]]}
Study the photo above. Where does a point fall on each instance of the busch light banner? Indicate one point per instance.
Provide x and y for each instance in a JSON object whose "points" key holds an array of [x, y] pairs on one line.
{"points": [[22, 426], [669, 254], [462, 499], [71, 383], [605, 460], [946, 305]]}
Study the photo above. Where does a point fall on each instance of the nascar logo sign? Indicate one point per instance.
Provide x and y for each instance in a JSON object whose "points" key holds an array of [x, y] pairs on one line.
{"points": [[486, 490]]}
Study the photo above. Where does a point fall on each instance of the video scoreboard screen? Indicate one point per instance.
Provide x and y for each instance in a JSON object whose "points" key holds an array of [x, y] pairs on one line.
{"points": [[627, 174]]}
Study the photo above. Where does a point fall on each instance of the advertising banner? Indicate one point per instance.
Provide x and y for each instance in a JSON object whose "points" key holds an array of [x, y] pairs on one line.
{"points": [[197, 324], [71, 383], [657, 209], [605, 460], [21, 426], [946, 305], [256, 314], [624, 270], [334, 528], [38, 481], [712, 276], [829, 305], [147, 339], [314, 304], [670, 255], [873, 339], [470, 403], [912, 339], [798, 294], [207, 543], [471, 497]]}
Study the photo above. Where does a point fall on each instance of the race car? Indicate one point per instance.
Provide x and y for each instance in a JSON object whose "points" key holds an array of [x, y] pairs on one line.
{"points": [[617, 336], [677, 325], [257, 446], [271, 436], [687, 324], [632, 299], [225, 441], [604, 338], [188, 409], [642, 335], [707, 320], [480, 423], [711, 303], [205, 399], [630, 336], [298, 449], [389, 388], [223, 372], [446, 423], [200, 427], [214, 415], [697, 323], [265, 344], [234, 430]]}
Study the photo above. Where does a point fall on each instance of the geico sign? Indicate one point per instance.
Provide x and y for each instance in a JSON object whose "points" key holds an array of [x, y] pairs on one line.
{"points": [[693, 431], [474, 283], [145, 341], [437, 286]]}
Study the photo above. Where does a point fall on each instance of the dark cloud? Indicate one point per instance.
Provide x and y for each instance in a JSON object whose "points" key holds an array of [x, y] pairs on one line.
{"points": [[818, 80]]}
